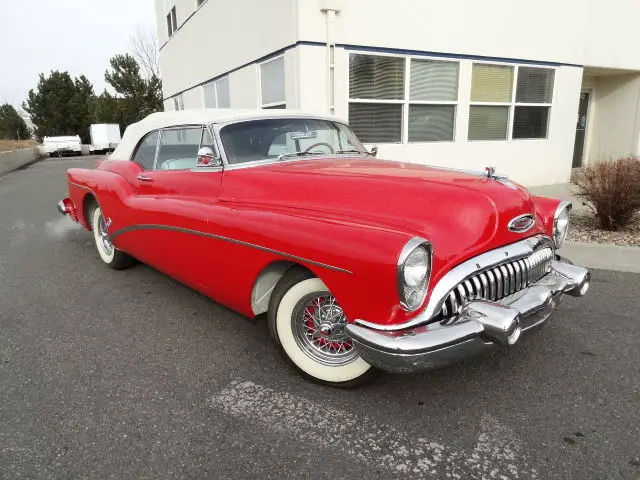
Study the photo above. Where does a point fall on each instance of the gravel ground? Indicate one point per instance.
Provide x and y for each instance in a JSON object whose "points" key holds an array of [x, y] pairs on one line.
{"points": [[583, 229]]}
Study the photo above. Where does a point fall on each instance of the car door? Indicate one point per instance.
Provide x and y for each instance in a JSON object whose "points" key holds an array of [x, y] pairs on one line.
{"points": [[170, 201]]}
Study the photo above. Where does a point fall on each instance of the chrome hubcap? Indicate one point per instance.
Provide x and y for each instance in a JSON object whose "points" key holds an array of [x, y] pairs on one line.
{"points": [[318, 325], [107, 246]]}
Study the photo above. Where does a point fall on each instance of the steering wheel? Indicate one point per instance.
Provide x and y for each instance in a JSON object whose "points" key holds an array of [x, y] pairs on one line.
{"points": [[331, 150]]}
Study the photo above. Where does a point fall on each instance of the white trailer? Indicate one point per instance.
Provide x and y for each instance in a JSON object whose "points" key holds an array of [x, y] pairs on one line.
{"points": [[104, 137], [57, 146]]}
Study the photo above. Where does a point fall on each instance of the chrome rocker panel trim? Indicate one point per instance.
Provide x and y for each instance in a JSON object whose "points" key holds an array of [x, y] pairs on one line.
{"points": [[481, 326]]}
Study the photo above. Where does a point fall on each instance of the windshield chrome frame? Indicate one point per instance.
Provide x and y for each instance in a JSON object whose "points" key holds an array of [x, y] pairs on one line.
{"points": [[217, 127]]}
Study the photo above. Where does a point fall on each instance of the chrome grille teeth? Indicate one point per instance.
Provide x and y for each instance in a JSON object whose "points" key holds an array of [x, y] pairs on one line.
{"points": [[492, 285], [498, 282]]}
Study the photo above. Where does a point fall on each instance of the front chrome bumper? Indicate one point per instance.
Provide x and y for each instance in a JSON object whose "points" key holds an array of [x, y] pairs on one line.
{"points": [[482, 325]]}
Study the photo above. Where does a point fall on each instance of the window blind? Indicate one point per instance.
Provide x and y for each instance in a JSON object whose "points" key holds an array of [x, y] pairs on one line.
{"points": [[376, 122], [434, 80], [488, 122], [209, 93], [223, 93], [535, 85], [530, 122], [272, 81], [431, 123], [376, 78], [491, 83]]}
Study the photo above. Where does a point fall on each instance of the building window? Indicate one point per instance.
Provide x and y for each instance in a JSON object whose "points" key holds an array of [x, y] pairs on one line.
{"points": [[534, 95], [384, 109], [178, 102], [497, 112], [433, 94], [217, 94], [172, 22], [272, 83]]}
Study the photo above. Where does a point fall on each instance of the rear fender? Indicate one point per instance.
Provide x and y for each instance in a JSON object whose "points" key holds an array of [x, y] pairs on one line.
{"points": [[109, 190]]}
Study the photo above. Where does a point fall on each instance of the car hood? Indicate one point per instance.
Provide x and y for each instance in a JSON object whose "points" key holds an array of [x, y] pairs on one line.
{"points": [[461, 214]]}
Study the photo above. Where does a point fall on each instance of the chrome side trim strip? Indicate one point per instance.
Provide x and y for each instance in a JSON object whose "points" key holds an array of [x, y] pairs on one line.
{"points": [[133, 228], [458, 274], [80, 186]]}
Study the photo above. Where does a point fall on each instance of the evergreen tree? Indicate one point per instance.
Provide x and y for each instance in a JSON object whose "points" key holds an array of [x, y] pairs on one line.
{"points": [[12, 126], [61, 105], [110, 109], [139, 96]]}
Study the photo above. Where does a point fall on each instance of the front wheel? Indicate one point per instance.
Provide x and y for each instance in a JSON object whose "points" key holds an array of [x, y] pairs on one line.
{"points": [[307, 323], [108, 253]]}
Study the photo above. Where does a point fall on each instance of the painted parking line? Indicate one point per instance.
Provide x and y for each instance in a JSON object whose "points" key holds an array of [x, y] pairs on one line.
{"points": [[497, 453]]}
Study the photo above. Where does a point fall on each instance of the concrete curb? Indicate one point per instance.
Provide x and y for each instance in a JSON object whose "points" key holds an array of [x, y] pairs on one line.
{"points": [[15, 159], [603, 257]]}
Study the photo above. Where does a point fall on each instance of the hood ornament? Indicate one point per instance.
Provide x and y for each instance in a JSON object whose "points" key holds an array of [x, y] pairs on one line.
{"points": [[492, 175]]}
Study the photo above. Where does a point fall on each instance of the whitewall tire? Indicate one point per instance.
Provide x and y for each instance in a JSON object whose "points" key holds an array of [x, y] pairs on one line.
{"points": [[108, 253], [307, 323]]}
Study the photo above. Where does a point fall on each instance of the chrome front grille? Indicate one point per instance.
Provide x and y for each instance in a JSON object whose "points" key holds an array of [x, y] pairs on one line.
{"points": [[498, 281]]}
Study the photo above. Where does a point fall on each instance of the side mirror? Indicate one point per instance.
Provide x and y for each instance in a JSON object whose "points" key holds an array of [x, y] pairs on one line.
{"points": [[206, 158], [374, 150]]}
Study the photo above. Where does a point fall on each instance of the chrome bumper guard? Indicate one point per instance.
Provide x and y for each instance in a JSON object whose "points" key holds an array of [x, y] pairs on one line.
{"points": [[482, 325], [62, 210]]}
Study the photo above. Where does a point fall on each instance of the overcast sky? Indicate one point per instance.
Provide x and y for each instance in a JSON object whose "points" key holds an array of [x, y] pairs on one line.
{"points": [[74, 35]]}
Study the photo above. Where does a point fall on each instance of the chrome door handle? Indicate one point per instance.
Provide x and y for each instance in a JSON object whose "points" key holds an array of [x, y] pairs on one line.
{"points": [[144, 178]]}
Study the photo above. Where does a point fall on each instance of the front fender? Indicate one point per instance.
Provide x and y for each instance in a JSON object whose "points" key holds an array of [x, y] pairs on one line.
{"points": [[545, 209], [356, 261]]}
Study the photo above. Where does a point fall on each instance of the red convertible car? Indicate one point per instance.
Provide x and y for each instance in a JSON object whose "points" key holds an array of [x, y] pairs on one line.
{"points": [[358, 264]]}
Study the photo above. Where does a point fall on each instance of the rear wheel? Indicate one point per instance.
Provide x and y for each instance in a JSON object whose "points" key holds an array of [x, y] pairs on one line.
{"points": [[108, 253], [307, 323]]}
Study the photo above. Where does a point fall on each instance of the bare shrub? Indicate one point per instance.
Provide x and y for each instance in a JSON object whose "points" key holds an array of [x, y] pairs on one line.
{"points": [[612, 190]]}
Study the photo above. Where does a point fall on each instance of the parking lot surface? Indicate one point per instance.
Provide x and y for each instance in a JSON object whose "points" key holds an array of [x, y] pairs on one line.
{"points": [[129, 374]]}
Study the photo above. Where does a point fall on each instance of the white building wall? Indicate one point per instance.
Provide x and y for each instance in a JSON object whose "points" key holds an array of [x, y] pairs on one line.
{"points": [[220, 37], [610, 37], [615, 126], [580, 32]]}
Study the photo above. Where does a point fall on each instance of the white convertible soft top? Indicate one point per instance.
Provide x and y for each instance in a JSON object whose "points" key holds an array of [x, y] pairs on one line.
{"points": [[155, 121]]}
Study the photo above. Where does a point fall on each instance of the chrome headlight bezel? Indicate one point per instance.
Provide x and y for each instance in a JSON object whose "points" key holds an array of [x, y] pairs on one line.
{"points": [[560, 227], [412, 296]]}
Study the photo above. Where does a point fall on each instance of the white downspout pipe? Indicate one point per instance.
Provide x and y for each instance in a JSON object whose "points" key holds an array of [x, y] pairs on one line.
{"points": [[330, 9]]}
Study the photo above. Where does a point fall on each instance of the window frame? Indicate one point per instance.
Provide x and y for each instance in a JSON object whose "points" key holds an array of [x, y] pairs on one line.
{"points": [[406, 102], [139, 145], [172, 21], [178, 100], [215, 84], [202, 126], [512, 104], [271, 105]]}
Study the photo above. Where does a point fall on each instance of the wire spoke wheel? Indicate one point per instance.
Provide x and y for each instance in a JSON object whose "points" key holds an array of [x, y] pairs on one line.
{"points": [[318, 324], [104, 236]]}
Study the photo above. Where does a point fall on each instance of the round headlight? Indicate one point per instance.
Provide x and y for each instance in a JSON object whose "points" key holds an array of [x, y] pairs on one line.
{"points": [[561, 223], [416, 267]]}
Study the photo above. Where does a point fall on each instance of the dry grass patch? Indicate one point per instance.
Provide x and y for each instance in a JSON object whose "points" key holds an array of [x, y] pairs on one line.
{"points": [[8, 145]]}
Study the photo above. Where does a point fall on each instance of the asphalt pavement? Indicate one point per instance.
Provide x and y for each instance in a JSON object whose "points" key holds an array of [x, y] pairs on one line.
{"points": [[129, 374]]}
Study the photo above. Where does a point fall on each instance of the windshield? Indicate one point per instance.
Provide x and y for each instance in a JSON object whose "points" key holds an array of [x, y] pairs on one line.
{"points": [[279, 138]]}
